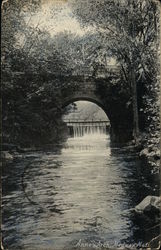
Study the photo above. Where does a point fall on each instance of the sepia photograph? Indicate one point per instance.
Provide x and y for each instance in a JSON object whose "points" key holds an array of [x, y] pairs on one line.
{"points": [[80, 124]]}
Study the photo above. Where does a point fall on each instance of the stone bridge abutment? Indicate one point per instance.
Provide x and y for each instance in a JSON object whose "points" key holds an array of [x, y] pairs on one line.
{"points": [[119, 115]]}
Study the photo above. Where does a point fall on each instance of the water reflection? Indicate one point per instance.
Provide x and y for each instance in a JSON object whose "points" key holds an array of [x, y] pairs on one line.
{"points": [[84, 191]]}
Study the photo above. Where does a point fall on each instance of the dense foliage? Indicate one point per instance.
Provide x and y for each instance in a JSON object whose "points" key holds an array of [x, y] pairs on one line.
{"points": [[31, 102], [34, 64], [132, 31]]}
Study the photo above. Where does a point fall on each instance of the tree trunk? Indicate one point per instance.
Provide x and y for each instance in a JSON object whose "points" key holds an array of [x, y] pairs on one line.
{"points": [[135, 108]]}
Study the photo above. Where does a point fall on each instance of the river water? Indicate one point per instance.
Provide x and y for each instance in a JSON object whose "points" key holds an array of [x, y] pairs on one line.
{"points": [[80, 193]]}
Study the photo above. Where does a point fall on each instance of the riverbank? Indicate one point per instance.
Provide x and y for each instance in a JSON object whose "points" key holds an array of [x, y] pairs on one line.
{"points": [[11, 152], [150, 152]]}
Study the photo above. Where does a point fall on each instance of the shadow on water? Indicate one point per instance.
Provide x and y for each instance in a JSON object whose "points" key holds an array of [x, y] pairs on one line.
{"points": [[139, 184]]}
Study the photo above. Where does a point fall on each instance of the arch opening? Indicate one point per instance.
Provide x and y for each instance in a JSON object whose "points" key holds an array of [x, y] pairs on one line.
{"points": [[94, 100], [120, 117], [86, 118]]}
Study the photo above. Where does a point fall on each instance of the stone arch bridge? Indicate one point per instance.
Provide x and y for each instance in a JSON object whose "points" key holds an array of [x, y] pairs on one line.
{"points": [[101, 92]]}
